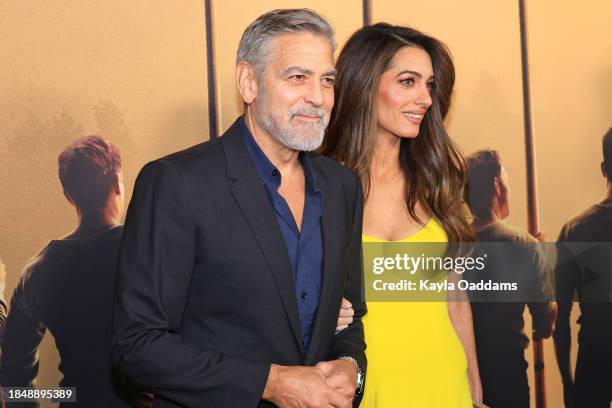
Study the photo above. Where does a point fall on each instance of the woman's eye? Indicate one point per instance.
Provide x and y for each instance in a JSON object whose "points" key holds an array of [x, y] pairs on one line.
{"points": [[407, 81], [431, 85]]}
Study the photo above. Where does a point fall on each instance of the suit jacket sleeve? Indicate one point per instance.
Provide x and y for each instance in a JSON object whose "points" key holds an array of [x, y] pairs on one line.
{"points": [[155, 266], [350, 341]]}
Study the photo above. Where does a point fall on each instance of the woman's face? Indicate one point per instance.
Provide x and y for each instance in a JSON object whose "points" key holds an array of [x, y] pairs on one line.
{"points": [[404, 93]]}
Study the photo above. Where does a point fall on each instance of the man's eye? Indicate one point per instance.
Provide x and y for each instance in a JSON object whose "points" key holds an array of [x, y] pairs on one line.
{"points": [[298, 77], [329, 81], [407, 81]]}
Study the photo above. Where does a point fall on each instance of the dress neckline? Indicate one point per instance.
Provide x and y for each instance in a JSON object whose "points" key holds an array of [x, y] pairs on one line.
{"points": [[415, 233]]}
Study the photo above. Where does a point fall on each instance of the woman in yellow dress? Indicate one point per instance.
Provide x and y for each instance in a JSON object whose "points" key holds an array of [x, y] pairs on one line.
{"points": [[393, 91]]}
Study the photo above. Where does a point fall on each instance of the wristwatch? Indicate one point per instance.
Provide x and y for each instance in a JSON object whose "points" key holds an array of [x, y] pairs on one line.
{"points": [[359, 374]]}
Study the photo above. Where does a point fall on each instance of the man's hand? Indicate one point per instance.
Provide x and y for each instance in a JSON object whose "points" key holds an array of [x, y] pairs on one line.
{"points": [[340, 375], [303, 387], [345, 316]]}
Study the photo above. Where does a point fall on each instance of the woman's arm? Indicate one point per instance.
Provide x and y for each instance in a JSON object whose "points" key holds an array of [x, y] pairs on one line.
{"points": [[460, 313]]}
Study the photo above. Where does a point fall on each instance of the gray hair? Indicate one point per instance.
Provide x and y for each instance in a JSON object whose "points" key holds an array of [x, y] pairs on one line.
{"points": [[255, 43]]}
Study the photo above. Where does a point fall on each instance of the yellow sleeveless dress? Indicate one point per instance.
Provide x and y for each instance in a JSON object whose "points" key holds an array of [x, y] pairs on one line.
{"points": [[415, 359]]}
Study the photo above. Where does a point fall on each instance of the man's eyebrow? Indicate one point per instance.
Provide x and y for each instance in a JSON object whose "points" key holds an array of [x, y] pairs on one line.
{"points": [[331, 72], [305, 71], [415, 73], [297, 70]]}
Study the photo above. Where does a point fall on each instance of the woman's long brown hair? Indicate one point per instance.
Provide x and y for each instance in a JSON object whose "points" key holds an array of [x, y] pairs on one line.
{"points": [[433, 167]]}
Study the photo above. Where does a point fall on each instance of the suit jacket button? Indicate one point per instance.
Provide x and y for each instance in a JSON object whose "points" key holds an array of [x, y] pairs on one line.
{"points": [[304, 295]]}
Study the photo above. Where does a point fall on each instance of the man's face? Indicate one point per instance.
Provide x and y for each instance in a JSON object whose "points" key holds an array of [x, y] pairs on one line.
{"points": [[296, 91]]}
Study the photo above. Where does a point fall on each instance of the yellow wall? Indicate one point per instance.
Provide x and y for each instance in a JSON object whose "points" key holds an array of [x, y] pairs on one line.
{"points": [[136, 72], [571, 72]]}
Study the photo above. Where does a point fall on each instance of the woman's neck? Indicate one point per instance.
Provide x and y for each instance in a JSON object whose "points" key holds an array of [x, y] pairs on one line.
{"points": [[385, 162]]}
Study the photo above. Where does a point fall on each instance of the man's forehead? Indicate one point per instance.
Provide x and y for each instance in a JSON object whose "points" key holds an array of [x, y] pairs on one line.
{"points": [[302, 52]]}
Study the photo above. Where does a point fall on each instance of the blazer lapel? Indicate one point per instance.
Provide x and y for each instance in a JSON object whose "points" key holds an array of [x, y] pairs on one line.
{"points": [[251, 196], [330, 257]]}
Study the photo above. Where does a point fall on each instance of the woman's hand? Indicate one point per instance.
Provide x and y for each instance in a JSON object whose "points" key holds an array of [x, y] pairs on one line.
{"points": [[345, 316], [475, 386]]}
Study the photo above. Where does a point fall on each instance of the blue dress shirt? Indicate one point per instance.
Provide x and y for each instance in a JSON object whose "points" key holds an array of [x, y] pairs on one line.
{"points": [[305, 248]]}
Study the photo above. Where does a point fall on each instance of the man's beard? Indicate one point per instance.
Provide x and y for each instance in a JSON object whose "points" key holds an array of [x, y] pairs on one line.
{"points": [[304, 136]]}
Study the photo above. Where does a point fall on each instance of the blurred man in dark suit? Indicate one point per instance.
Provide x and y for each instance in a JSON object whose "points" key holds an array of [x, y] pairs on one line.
{"points": [[588, 276], [517, 257], [68, 286]]}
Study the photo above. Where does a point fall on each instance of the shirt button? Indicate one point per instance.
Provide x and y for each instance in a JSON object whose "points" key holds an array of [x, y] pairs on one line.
{"points": [[304, 295]]}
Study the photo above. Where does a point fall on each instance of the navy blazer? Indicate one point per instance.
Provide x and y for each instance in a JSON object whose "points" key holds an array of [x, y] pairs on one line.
{"points": [[204, 297]]}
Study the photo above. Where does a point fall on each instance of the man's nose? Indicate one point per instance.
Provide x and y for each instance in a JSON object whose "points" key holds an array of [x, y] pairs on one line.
{"points": [[314, 94]]}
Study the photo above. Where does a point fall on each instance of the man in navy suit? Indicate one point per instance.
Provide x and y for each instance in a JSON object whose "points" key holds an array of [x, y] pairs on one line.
{"points": [[237, 252]]}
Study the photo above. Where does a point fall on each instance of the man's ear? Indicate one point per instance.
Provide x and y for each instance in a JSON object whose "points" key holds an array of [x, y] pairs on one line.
{"points": [[497, 186], [246, 82], [116, 185]]}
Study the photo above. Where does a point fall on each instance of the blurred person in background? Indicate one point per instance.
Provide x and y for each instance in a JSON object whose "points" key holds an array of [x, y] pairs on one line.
{"points": [[68, 287], [588, 278], [498, 323]]}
